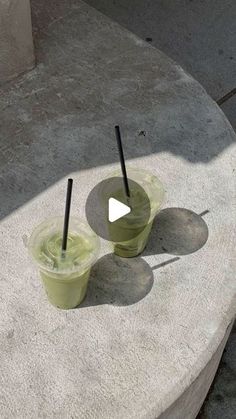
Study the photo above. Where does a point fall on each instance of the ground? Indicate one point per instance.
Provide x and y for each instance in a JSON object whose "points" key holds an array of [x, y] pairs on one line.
{"points": [[201, 37]]}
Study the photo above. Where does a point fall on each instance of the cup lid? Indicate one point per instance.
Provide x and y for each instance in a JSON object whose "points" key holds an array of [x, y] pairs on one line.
{"points": [[44, 246]]}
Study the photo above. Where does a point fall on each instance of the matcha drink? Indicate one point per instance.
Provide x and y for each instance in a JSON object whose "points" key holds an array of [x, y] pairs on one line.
{"points": [[65, 277], [133, 225]]}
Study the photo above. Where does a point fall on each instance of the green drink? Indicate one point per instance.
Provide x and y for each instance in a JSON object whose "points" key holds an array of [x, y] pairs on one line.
{"points": [[64, 276], [135, 225]]}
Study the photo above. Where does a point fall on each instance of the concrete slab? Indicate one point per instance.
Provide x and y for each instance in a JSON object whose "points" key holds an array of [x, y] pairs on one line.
{"points": [[131, 358], [200, 36], [103, 360]]}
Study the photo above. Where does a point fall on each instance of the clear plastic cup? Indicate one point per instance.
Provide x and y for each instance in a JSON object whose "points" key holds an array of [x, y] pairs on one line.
{"points": [[65, 278], [155, 192]]}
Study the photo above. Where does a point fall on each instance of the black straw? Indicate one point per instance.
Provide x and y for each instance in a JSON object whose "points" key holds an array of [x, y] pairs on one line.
{"points": [[122, 160], [67, 215]]}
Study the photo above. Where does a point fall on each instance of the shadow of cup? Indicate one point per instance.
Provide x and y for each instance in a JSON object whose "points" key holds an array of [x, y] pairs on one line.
{"points": [[118, 281], [177, 231]]}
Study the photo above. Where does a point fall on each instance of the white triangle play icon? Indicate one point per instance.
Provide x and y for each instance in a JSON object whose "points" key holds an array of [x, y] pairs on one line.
{"points": [[116, 210]]}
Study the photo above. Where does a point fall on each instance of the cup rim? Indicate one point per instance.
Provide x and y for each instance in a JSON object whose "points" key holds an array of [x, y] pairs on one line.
{"points": [[63, 272]]}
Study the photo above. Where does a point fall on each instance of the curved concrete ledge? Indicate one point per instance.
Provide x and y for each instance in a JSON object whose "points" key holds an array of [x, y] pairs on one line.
{"points": [[116, 356]]}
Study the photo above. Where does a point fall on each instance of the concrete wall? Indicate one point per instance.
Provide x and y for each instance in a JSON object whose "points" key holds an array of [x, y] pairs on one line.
{"points": [[189, 404], [16, 43]]}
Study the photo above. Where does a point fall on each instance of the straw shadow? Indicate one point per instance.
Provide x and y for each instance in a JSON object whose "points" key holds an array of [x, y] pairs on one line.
{"points": [[165, 263], [118, 281], [177, 231]]}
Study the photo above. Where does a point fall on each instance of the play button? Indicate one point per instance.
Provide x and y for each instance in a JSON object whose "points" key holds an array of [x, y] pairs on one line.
{"points": [[116, 210], [112, 215]]}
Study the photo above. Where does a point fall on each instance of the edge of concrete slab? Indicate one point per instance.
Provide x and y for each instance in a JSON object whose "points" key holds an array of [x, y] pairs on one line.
{"points": [[189, 403]]}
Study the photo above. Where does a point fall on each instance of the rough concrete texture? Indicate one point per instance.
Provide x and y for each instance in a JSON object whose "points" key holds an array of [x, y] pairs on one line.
{"points": [[131, 358], [199, 35], [16, 43]]}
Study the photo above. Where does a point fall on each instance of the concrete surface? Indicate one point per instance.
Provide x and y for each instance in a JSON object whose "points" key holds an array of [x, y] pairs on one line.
{"points": [[16, 43], [199, 35], [132, 360], [125, 358]]}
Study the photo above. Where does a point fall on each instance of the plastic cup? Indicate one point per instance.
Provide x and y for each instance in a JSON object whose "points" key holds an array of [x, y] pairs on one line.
{"points": [[134, 226], [65, 277]]}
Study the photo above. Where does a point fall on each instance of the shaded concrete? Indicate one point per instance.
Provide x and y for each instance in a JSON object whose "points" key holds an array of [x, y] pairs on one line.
{"points": [[85, 84], [114, 280], [199, 35], [16, 43], [177, 231]]}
